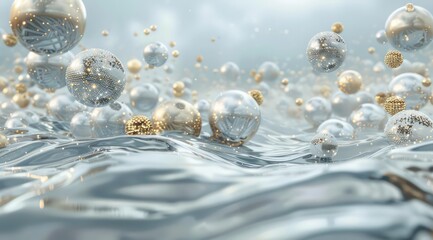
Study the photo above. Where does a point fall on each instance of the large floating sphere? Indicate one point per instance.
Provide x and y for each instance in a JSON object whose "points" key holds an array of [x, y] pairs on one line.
{"points": [[381, 37], [80, 125], [326, 51], [317, 110], [230, 71], [409, 127], [409, 86], [234, 117], [368, 116], [95, 78], [63, 107], [343, 105], [409, 28], [144, 97], [349, 82], [338, 128], [48, 72], [177, 115], [269, 71], [324, 145], [48, 27], [155, 54], [109, 121]]}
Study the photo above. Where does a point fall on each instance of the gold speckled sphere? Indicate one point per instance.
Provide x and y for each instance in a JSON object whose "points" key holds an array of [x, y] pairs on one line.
{"points": [[3, 141], [134, 66], [21, 99], [20, 88], [257, 95], [349, 82], [394, 104], [9, 40], [175, 53], [426, 82], [139, 125], [146, 31], [299, 101], [177, 115], [393, 59], [337, 27]]}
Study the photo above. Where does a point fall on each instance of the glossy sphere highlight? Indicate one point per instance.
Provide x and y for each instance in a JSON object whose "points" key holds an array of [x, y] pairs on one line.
{"points": [[324, 145], [409, 86], [95, 78], [80, 125], [230, 71], [338, 128], [269, 71], [63, 107], [155, 54], [368, 116], [234, 117], [381, 37], [144, 97], [326, 51], [349, 82], [48, 27], [409, 127], [317, 110]]}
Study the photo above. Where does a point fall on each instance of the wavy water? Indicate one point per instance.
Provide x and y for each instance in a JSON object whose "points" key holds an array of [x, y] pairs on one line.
{"points": [[180, 187]]}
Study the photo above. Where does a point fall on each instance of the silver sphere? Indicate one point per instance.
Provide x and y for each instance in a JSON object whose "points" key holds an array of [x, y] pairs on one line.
{"points": [[155, 54], [269, 71], [381, 37], [230, 71], [409, 86], [326, 51], [63, 107], [95, 78], [368, 116], [317, 110], [338, 128], [107, 122], [409, 127], [324, 145], [40, 100], [364, 97], [343, 105], [48, 27], [80, 125], [234, 117], [144, 97], [202, 106]]}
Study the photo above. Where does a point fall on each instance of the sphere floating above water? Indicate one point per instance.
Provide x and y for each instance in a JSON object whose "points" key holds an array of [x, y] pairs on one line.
{"points": [[230, 71], [349, 82], [144, 97], [368, 116], [381, 37], [326, 51], [155, 54], [95, 78], [109, 121], [409, 86], [317, 110]]}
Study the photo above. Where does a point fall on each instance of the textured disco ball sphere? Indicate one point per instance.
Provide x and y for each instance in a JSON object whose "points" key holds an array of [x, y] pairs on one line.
{"points": [[48, 27], [337, 128], [80, 125], [144, 97], [48, 72], [230, 71], [409, 28], [409, 127], [368, 116], [409, 86], [324, 145], [343, 104], [326, 51], [95, 78], [177, 115], [234, 117], [317, 110], [109, 121], [155, 54], [269, 71], [63, 107]]}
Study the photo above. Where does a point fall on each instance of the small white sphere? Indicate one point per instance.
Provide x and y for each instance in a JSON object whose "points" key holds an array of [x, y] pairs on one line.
{"points": [[80, 125], [342, 104], [230, 71], [269, 71]]}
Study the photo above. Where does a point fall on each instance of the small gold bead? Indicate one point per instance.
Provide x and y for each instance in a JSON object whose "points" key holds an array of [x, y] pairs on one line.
{"points": [[257, 95], [337, 27], [178, 93], [9, 40], [393, 59], [299, 101], [426, 82], [18, 69], [153, 28], [394, 104], [172, 44], [146, 31], [285, 81], [410, 7], [258, 77], [21, 88], [179, 86], [134, 66], [199, 58], [139, 125], [371, 50], [175, 53], [105, 33], [21, 99]]}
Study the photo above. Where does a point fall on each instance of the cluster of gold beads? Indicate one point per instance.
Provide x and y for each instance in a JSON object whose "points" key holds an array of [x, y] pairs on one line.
{"points": [[393, 59], [257, 95], [394, 104], [139, 125]]}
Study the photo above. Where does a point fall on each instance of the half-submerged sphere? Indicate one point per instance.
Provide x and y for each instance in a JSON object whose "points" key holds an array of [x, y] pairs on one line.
{"points": [[48, 72], [95, 78], [326, 51], [48, 27], [155, 54], [234, 117], [324, 145], [409, 30], [230, 71], [317, 110], [349, 82], [409, 127], [409, 86]]}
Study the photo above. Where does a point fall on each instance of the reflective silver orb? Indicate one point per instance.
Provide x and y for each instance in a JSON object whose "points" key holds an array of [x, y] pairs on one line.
{"points": [[108, 122], [381, 37], [80, 125], [409, 86], [326, 51], [409, 127], [230, 71], [63, 107], [368, 116], [269, 71], [338, 128], [155, 54], [324, 145], [144, 97], [317, 110], [40, 100], [342, 104], [364, 97]]}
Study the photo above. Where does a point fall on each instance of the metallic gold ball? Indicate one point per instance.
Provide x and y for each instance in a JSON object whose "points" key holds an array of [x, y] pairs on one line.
{"points": [[381, 98], [410, 7], [257, 95], [258, 77], [349, 82], [394, 104], [153, 28], [21, 99], [18, 69], [9, 91], [178, 94], [9, 40], [199, 58], [139, 125], [393, 59], [371, 50], [175, 53], [285, 81], [178, 86], [172, 44], [3, 141], [337, 27], [177, 115], [21, 88], [146, 31], [299, 101], [426, 82], [105, 33], [134, 66]]}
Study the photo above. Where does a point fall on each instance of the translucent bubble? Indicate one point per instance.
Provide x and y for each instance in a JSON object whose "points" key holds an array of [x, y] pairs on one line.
{"points": [[95, 78], [80, 125], [364, 97], [326, 51], [269, 71], [408, 67], [203, 106], [234, 117], [324, 145], [40, 100], [381, 37], [343, 105], [63, 107], [409, 86], [144, 97], [263, 88], [338, 128], [48, 26], [409, 30], [409, 127], [368, 116], [155, 54], [48, 72], [317, 110], [230, 71], [107, 122]]}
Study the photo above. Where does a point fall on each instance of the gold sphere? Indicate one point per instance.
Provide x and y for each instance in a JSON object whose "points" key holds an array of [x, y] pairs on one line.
{"points": [[371, 50], [139, 125], [178, 86], [153, 28], [285, 81], [199, 58], [105, 33], [21, 99], [146, 31], [349, 82], [178, 94], [3, 141], [258, 77], [299, 101], [177, 115], [134, 66], [18, 69], [337, 27], [172, 44], [175, 53], [9, 91], [410, 7], [9, 40], [21, 88], [394, 104], [257, 95], [426, 82], [393, 59]]}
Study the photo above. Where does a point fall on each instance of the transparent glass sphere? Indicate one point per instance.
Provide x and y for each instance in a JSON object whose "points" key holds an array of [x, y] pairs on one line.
{"points": [[40, 100], [317, 110], [409, 127], [381, 37], [269, 71], [177, 115], [63, 107], [338, 128], [364, 97], [144, 97], [155, 54], [109, 122], [409, 30], [343, 105], [48, 27], [80, 125], [409, 86], [234, 117], [368, 116], [48, 72], [324, 145], [230, 71], [326, 51], [95, 78]]}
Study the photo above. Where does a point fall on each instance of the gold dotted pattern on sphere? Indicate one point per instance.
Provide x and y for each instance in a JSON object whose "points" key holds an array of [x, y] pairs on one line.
{"points": [[394, 104], [393, 59], [337, 27], [139, 125], [257, 95]]}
